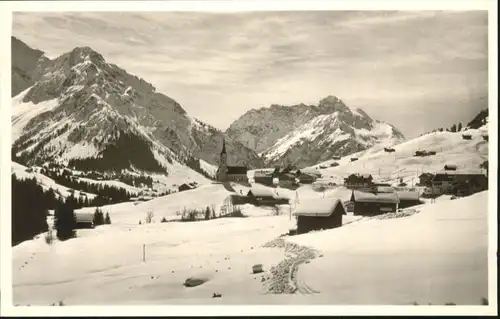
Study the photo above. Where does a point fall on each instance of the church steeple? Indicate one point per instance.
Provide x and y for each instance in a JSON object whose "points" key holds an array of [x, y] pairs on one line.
{"points": [[223, 146]]}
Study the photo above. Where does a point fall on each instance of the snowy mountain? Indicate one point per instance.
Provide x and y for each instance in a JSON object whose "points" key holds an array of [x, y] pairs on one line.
{"points": [[24, 62], [92, 115], [304, 135], [391, 167]]}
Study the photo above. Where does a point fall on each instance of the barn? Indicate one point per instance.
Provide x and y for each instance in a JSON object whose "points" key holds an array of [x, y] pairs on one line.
{"points": [[185, 187], [261, 196], [408, 199], [450, 167], [369, 204], [263, 178], [426, 179], [319, 214], [84, 220]]}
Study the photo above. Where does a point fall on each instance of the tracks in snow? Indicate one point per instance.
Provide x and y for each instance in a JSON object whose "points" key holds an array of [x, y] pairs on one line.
{"points": [[284, 279]]}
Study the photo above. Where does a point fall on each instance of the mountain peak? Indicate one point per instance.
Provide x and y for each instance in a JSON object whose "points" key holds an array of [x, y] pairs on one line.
{"points": [[334, 102], [85, 53]]}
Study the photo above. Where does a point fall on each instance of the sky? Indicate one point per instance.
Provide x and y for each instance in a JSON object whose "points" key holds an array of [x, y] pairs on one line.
{"points": [[418, 70]]}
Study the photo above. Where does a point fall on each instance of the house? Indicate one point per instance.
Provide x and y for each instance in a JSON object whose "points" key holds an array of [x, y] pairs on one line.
{"points": [[450, 167], [467, 136], [185, 187], [84, 220], [389, 149], [358, 180], [336, 158], [264, 196], [460, 181], [426, 179], [306, 178], [334, 164], [263, 178], [319, 214], [442, 183], [485, 137], [369, 204], [408, 199], [353, 159], [227, 173], [309, 171]]}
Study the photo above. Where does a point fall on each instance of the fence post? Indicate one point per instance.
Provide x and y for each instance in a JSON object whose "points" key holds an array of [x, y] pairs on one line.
{"points": [[144, 252]]}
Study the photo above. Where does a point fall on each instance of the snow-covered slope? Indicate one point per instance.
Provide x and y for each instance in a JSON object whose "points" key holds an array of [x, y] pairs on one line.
{"points": [[437, 256], [305, 135], [450, 148], [45, 182], [394, 261]]}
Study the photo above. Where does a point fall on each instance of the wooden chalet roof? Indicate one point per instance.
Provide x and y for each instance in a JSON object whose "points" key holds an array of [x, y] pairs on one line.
{"points": [[320, 207], [84, 217], [366, 197], [261, 192], [236, 170], [407, 195]]}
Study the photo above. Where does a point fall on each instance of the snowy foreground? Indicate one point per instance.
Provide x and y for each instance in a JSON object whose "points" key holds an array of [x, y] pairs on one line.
{"points": [[436, 256]]}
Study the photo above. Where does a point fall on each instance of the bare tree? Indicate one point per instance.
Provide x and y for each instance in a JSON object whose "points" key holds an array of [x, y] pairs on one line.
{"points": [[149, 217]]}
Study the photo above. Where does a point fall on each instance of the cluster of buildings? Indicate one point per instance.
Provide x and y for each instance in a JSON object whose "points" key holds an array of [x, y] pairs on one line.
{"points": [[287, 177], [452, 181], [326, 213]]}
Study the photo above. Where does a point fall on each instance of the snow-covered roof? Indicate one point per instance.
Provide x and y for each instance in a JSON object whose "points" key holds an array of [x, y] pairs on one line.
{"points": [[322, 207], [311, 171], [262, 191], [461, 172], [84, 217], [407, 195], [375, 197]]}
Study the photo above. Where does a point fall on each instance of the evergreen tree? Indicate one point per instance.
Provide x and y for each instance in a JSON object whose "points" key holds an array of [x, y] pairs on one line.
{"points": [[29, 217], [459, 128], [207, 213], [453, 128], [98, 217], [65, 220], [107, 220]]}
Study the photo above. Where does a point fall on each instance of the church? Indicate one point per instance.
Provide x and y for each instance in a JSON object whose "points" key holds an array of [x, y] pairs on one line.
{"points": [[227, 173]]}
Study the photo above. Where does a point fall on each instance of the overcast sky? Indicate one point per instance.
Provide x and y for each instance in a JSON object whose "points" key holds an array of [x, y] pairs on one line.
{"points": [[417, 70]]}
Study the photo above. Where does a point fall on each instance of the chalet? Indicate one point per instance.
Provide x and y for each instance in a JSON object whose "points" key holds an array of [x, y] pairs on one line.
{"points": [[450, 167], [467, 136], [319, 214], [426, 179], [185, 187], [358, 180], [336, 158], [443, 183], [369, 204], [389, 149], [306, 178], [84, 220], [334, 164], [227, 173], [464, 182], [309, 171], [408, 199], [263, 178], [263, 196], [353, 159]]}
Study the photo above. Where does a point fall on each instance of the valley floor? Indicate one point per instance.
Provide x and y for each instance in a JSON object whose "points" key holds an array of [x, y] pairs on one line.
{"points": [[436, 256]]}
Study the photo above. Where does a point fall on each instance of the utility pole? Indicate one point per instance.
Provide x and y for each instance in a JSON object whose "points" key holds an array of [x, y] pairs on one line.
{"points": [[144, 252]]}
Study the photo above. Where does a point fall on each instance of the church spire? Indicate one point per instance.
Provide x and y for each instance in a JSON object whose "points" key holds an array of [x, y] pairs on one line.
{"points": [[223, 146]]}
